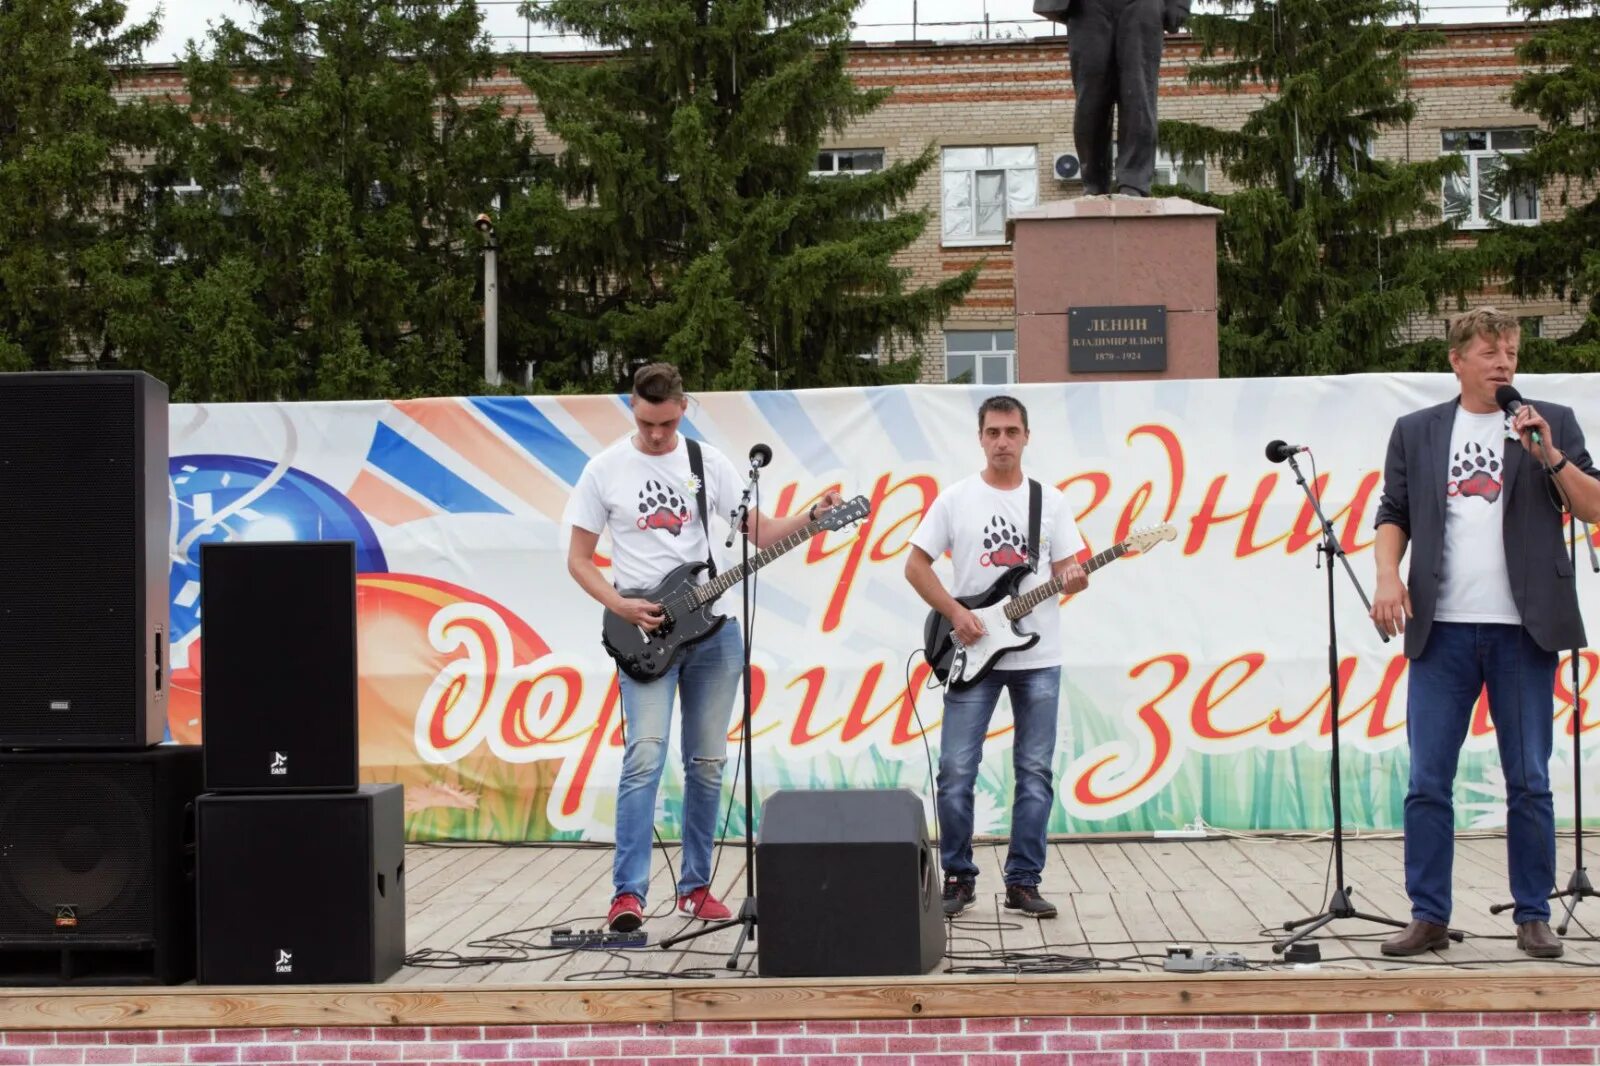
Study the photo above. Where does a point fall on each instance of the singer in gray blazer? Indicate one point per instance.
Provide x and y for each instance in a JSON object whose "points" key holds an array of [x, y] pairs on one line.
{"points": [[1114, 47], [1478, 494]]}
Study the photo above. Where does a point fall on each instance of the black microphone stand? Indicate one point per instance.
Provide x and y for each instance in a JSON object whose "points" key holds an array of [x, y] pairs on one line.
{"points": [[1579, 888], [739, 520], [1340, 905]]}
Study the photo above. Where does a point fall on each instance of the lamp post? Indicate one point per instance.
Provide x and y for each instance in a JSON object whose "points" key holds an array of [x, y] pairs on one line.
{"points": [[491, 302]]}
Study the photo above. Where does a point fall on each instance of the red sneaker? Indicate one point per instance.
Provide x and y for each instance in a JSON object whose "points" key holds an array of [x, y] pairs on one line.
{"points": [[703, 905], [627, 913]]}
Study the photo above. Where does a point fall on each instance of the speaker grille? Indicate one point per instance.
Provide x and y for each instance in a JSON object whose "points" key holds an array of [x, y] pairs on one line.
{"points": [[76, 836], [70, 511]]}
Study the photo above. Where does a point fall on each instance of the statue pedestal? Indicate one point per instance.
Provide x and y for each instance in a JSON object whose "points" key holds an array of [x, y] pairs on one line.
{"points": [[1116, 289]]}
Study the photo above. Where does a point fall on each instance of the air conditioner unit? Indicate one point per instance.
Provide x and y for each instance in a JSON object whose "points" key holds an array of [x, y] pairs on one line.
{"points": [[1067, 167]]}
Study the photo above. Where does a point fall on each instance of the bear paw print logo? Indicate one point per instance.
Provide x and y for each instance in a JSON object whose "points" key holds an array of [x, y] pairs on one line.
{"points": [[1475, 472], [1003, 545], [660, 507]]}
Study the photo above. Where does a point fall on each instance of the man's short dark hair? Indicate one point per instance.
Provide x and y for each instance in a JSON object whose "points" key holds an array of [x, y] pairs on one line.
{"points": [[1004, 405], [658, 383]]}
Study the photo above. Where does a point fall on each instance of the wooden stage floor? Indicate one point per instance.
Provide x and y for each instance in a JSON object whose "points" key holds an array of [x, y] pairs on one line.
{"points": [[1122, 902]]}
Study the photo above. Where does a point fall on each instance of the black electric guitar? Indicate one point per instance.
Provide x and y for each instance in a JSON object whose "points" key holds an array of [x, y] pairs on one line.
{"points": [[1000, 608], [645, 655]]}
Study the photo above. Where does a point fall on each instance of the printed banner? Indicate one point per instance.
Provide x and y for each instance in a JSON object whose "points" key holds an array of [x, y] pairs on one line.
{"points": [[1195, 683]]}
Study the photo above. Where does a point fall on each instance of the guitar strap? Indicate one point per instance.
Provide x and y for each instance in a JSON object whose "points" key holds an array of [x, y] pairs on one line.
{"points": [[697, 470], [1035, 505]]}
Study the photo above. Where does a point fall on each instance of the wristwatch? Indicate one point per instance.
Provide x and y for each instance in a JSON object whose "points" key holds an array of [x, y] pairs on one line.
{"points": [[1554, 470]]}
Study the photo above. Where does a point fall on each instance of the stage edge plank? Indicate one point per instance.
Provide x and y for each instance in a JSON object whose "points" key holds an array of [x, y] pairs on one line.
{"points": [[1143, 994], [296, 1007], [773, 1000]]}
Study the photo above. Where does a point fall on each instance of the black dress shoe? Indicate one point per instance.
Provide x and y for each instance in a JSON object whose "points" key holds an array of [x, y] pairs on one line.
{"points": [[1418, 938], [1536, 939]]}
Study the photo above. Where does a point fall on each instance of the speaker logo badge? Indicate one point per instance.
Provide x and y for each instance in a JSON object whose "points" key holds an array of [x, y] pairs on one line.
{"points": [[280, 764], [285, 962], [61, 705], [66, 916]]}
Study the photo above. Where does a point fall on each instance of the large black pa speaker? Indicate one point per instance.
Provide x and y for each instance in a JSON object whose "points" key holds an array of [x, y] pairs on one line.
{"points": [[302, 888], [847, 885], [97, 866], [83, 560], [278, 665]]}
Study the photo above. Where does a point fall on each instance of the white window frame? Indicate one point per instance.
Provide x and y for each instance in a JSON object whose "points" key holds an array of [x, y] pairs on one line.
{"points": [[961, 177], [1472, 179], [994, 355], [1170, 171], [835, 172]]}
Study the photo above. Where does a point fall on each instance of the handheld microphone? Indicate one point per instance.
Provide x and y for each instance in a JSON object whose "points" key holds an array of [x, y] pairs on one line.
{"points": [[1277, 451], [760, 455], [1510, 401]]}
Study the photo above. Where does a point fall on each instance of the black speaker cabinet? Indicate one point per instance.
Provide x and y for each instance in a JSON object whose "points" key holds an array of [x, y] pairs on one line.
{"points": [[97, 866], [278, 665], [847, 885], [302, 888], [83, 560]]}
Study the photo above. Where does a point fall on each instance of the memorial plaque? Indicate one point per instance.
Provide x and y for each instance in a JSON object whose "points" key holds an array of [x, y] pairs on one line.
{"points": [[1116, 339]]}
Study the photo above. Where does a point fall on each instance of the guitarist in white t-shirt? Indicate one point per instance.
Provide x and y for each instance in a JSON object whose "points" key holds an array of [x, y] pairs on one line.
{"points": [[986, 522], [643, 491]]}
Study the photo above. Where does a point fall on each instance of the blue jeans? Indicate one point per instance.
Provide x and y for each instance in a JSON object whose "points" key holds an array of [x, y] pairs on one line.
{"points": [[1034, 696], [708, 675], [1460, 658]]}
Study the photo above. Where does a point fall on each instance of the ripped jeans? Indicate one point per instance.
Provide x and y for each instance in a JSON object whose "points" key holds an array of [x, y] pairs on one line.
{"points": [[708, 675]]}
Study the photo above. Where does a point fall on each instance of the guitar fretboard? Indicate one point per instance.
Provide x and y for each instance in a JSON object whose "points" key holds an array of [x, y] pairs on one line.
{"points": [[731, 577], [1026, 602]]}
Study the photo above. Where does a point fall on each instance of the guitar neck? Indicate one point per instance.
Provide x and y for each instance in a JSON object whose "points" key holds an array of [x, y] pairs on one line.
{"points": [[1026, 602], [732, 576]]}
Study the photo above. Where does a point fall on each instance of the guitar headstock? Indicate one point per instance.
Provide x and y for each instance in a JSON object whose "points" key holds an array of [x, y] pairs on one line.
{"points": [[847, 513], [1142, 540]]}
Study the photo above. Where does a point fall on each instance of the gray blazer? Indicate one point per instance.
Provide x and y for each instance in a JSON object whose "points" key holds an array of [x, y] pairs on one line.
{"points": [[1175, 11], [1542, 585]]}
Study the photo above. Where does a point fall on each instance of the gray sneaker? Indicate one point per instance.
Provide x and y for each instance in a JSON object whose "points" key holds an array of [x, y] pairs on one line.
{"points": [[1026, 898], [958, 895]]}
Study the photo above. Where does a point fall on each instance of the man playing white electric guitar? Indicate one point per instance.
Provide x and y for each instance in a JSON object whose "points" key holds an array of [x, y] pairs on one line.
{"points": [[991, 522]]}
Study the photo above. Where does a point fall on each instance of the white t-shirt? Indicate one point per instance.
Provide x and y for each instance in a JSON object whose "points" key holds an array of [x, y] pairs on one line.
{"points": [[985, 530], [1474, 585], [647, 503]]}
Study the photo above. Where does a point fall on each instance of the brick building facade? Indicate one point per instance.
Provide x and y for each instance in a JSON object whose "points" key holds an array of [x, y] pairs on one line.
{"points": [[999, 112]]}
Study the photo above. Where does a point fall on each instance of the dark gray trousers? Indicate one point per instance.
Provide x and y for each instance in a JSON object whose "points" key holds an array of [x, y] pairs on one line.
{"points": [[1115, 50]]}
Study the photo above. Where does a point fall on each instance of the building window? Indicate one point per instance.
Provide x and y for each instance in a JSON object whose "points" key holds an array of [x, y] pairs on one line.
{"points": [[846, 162], [1478, 195], [983, 187], [980, 357], [1532, 326], [1186, 174]]}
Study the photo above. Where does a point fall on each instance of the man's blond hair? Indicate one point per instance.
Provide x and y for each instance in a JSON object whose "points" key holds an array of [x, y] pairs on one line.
{"points": [[1488, 322]]}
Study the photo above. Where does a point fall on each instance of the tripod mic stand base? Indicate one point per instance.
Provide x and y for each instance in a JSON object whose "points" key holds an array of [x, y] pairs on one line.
{"points": [[1578, 889], [1338, 907], [746, 918]]}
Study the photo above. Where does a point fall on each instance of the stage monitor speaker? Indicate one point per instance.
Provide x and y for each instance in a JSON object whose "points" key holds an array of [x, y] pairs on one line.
{"points": [[83, 560], [302, 888], [847, 885], [97, 866], [278, 665]]}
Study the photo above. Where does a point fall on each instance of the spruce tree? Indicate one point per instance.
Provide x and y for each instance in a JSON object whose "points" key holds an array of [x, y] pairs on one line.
{"points": [[681, 220], [1327, 252], [68, 199], [314, 225], [1560, 256]]}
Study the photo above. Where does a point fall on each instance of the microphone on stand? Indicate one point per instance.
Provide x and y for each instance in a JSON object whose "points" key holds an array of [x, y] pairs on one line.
{"points": [[760, 455], [1277, 451]]}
